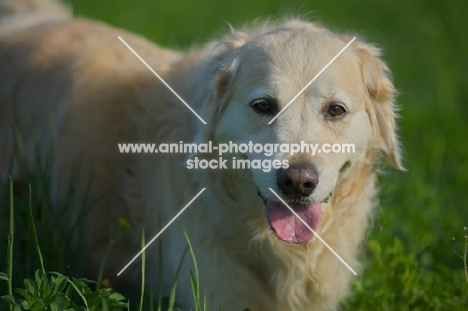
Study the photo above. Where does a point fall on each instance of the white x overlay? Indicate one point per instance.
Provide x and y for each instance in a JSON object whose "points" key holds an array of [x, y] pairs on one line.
{"points": [[312, 230], [196, 196], [160, 232], [162, 80], [313, 79]]}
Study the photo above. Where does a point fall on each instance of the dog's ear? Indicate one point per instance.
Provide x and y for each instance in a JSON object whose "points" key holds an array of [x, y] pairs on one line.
{"points": [[228, 61], [220, 75], [225, 66], [380, 104]]}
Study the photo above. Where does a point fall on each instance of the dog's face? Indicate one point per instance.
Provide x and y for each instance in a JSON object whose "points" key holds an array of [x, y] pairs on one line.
{"points": [[351, 102]]}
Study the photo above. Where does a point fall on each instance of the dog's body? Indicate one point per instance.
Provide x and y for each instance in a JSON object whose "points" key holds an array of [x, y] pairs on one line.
{"points": [[78, 74]]}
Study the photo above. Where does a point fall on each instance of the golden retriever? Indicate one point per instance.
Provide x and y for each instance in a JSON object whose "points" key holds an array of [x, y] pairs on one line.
{"points": [[252, 251]]}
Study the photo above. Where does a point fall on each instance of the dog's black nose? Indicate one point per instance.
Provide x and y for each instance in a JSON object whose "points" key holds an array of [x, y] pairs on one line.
{"points": [[297, 180]]}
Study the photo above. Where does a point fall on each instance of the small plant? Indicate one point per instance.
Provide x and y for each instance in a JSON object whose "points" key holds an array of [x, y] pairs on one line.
{"points": [[53, 291], [57, 292], [403, 283], [42, 294]]}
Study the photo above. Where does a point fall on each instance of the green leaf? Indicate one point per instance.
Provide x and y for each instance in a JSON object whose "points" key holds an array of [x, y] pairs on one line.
{"points": [[10, 300], [51, 297], [42, 283], [25, 305], [78, 292], [4, 277], [86, 281], [56, 307], [60, 281], [30, 292], [117, 297], [60, 303], [18, 308], [38, 307]]}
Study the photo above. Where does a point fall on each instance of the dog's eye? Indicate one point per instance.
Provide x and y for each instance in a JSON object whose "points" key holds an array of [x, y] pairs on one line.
{"points": [[335, 111], [264, 106]]}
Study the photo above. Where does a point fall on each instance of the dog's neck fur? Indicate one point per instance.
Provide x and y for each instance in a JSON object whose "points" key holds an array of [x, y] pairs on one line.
{"points": [[246, 211], [243, 213]]}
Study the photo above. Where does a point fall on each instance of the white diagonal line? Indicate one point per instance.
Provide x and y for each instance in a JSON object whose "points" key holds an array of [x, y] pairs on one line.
{"points": [[315, 233], [313, 79], [160, 232], [162, 80]]}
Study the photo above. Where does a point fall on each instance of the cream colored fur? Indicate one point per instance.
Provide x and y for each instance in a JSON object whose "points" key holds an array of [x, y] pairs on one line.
{"points": [[76, 74]]}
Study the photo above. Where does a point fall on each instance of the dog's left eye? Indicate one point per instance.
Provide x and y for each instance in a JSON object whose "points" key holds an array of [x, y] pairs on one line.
{"points": [[264, 106], [335, 111]]}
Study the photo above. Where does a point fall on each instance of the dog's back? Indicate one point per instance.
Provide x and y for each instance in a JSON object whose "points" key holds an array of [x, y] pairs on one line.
{"points": [[53, 65], [70, 90], [70, 84]]}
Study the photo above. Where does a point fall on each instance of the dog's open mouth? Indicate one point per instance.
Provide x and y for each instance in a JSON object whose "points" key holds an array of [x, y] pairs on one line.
{"points": [[286, 225]]}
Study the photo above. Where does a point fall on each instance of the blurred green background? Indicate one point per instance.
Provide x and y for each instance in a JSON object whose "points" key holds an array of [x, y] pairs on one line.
{"points": [[409, 255], [425, 44]]}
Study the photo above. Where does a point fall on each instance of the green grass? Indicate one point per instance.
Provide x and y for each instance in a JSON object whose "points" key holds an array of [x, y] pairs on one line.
{"points": [[411, 252], [51, 290], [56, 292]]}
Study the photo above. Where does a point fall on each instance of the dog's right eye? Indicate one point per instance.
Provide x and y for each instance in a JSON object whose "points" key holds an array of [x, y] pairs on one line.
{"points": [[264, 106], [335, 111]]}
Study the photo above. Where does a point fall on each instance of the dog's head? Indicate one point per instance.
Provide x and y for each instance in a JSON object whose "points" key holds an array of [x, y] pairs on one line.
{"points": [[350, 104]]}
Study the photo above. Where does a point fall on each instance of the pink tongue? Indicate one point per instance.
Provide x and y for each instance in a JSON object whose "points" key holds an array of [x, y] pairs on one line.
{"points": [[287, 226]]}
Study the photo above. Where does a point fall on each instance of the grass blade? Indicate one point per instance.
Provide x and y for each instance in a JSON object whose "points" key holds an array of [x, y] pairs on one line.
{"points": [[465, 260], [160, 269], [79, 293], [205, 307], [36, 240], [172, 297], [195, 279], [104, 305], [151, 299], [101, 268], [143, 268], [171, 303], [10, 244]]}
